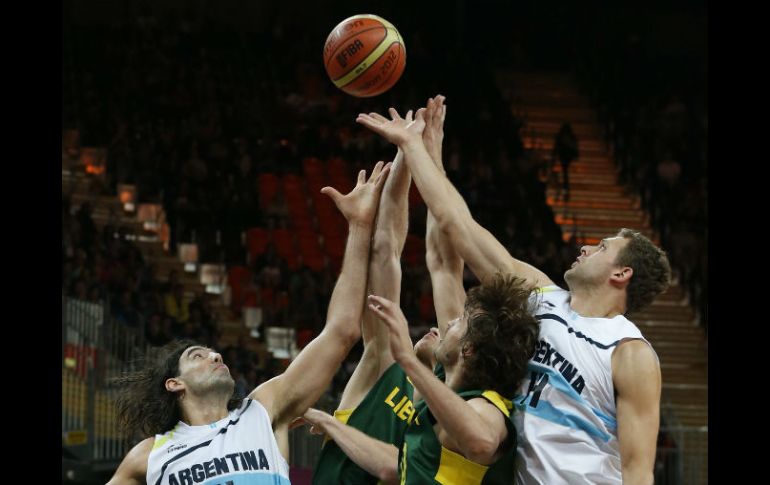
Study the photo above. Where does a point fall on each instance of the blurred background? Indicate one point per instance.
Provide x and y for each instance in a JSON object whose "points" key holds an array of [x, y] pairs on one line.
{"points": [[196, 136]]}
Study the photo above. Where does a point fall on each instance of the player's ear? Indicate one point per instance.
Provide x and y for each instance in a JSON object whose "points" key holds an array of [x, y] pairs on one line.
{"points": [[174, 385], [621, 276], [466, 350]]}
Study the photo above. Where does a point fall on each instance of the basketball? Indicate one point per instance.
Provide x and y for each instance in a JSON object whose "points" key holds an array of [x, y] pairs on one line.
{"points": [[364, 55]]}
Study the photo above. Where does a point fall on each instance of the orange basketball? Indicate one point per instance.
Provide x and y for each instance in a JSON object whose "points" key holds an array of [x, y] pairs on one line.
{"points": [[364, 55]]}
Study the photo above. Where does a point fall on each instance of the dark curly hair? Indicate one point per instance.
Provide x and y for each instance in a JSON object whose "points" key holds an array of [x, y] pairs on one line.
{"points": [[652, 271], [502, 333], [144, 405]]}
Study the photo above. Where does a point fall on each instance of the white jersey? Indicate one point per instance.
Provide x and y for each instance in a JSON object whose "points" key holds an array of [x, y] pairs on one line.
{"points": [[567, 428], [237, 450]]}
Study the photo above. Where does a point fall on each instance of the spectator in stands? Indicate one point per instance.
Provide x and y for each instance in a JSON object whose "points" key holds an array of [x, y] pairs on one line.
{"points": [[124, 311], [176, 305], [95, 294], [171, 281], [565, 149], [80, 289], [154, 332], [86, 224]]}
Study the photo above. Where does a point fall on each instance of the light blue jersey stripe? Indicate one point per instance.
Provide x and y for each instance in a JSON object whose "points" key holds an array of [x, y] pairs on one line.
{"points": [[249, 479], [546, 411], [559, 382]]}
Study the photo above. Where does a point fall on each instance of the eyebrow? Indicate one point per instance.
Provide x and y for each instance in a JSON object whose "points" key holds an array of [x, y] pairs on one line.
{"points": [[193, 349]]}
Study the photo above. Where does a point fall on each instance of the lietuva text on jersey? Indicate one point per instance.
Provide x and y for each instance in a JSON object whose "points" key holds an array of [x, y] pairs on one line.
{"points": [[403, 407], [384, 414]]}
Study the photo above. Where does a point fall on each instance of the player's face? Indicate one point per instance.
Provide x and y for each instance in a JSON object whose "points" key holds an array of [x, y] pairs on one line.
{"points": [[595, 264], [448, 349], [426, 346], [202, 370]]}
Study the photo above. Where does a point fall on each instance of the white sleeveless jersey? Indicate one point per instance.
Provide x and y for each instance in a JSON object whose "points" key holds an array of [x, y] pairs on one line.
{"points": [[237, 450], [567, 428]]}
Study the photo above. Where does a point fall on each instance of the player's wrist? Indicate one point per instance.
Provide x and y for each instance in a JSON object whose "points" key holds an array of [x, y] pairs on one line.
{"points": [[407, 360], [410, 141], [360, 225]]}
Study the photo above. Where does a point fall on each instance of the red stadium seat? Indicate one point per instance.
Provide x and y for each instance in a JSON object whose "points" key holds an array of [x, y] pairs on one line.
{"points": [[312, 166], [238, 277], [283, 240], [256, 242], [268, 187]]}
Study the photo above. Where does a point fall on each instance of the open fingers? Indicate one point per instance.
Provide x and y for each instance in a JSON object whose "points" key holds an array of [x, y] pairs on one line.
{"points": [[378, 117], [380, 180], [376, 171], [380, 302], [332, 193], [380, 312], [369, 122], [394, 114], [297, 422], [431, 107]]}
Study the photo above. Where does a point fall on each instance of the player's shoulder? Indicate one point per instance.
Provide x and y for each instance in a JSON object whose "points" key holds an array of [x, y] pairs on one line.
{"points": [[144, 447], [549, 297], [628, 329], [635, 351], [133, 468]]}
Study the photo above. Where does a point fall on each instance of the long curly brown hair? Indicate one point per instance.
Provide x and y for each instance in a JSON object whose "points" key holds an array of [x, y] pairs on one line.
{"points": [[502, 333], [144, 405]]}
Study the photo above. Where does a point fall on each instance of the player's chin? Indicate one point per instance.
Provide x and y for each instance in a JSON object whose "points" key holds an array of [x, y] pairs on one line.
{"points": [[424, 347], [225, 377]]}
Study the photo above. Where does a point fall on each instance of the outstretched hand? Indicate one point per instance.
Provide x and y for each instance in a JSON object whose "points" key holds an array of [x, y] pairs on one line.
{"points": [[433, 135], [315, 418], [391, 315], [359, 206], [396, 130]]}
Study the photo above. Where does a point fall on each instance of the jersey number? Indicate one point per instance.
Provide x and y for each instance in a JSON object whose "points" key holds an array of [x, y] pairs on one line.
{"points": [[537, 383]]}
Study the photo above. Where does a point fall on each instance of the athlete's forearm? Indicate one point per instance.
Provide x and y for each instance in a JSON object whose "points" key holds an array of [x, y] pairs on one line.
{"points": [[378, 458], [387, 244], [440, 195], [346, 303], [393, 212], [453, 413], [446, 275]]}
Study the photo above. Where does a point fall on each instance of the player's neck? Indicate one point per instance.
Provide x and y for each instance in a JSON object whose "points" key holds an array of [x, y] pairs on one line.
{"points": [[453, 376], [597, 302], [197, 411]]}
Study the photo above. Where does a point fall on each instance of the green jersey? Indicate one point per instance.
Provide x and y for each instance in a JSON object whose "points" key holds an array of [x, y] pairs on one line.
{"points": [[384, 414], [422, 459], [438, 371]]}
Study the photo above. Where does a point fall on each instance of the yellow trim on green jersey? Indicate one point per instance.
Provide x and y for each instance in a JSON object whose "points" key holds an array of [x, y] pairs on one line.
{"points": [[343, 414], [455, 468], [504, 405]]}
